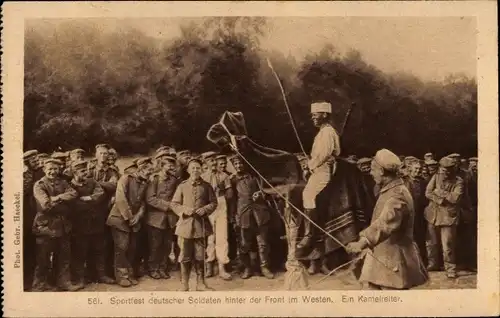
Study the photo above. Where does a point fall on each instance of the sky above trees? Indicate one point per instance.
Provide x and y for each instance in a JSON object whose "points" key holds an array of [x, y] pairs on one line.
{"points": [[428, 47]]}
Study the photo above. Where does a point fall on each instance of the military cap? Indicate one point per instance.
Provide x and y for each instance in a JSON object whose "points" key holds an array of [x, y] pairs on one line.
{"points": [[195, 159], [162, 148], [170, 158], [387, 160], [106, 146], [321, 107], [42, 155], [78, 150], [79, 164], [454, 156], [144, 161], [233, 157], [183, 153], [221, 157], [208, 154], [431, 162], [409, 159], [129, 168], [59, 155], [363, 161], [161, 154], [112, 151], [473, 159], [30, 153], [52, 160], [447, 162], [165, 148]]}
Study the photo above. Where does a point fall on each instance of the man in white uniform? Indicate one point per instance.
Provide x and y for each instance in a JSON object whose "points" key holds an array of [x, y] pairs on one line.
{"points": [[320, 166]]}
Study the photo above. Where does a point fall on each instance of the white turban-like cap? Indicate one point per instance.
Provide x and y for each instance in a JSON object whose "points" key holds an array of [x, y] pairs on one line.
{"points": [[321, 107], [387, 160]]}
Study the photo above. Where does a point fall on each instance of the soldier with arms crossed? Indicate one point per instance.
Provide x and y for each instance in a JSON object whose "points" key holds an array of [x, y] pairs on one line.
{"points": [[52, 228]]}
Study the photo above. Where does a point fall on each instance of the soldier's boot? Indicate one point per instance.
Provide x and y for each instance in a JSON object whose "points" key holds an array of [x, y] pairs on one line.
{"points": [[102, 277], [247, 272], [309, 231], [40, 284], [209, 270], [164, 272], [121, 275], [324, 267], [266, 272], [66, 285], [64, 281], [185, 273], [254, 264], [314, 267], [154, 273], [131, 276], [201, 284], [80, 282], [222, 272]]}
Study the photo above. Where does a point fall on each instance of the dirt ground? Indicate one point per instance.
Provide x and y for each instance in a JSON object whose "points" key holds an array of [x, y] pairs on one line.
{"points": [[341, 280]]}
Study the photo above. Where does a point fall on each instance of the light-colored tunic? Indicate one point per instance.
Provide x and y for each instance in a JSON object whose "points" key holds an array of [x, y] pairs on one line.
{"points": [[326, 144]]}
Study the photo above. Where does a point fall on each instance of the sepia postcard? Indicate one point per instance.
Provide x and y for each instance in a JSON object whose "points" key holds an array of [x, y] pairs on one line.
{"points": [[188, 159]]}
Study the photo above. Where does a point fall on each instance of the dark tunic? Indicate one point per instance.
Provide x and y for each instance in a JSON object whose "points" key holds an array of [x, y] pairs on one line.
{"points": [[159, 195], [52, 217], [130, 200], [248, 212], [87, 218]]}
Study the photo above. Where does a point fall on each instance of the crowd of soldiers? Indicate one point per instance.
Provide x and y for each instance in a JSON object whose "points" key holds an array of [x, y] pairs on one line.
{"points": [[88, 221]]}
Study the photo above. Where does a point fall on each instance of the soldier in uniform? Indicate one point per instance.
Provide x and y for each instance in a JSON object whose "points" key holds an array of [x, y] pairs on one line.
{"points": [[444, 191], [217, 246], [62, 158], [131, 168], [29, 211], [38, 172], [52, 228], [432, 167], [253, 218], [319, 168], [193, 201], [124, 220], [390, 234], [107, 178], [416, 185], [88, 226], [112, 158], [183, 157], [160, 218], [425, 171], [429, 156], [470, 219], [74, 156]]}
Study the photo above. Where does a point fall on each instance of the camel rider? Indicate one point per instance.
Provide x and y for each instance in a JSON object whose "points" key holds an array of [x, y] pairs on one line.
{"points": [[320, 166]]}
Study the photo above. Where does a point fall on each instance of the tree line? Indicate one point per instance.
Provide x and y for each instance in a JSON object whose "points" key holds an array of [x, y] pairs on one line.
{"points": [[84, 85]]}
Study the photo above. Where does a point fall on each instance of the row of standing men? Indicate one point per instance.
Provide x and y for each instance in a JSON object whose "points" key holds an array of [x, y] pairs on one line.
{"points": [[84, 219], [91, 205]]}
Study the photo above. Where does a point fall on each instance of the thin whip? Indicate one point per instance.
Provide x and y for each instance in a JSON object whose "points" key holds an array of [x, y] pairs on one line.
{"points": [[287, 107]]}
